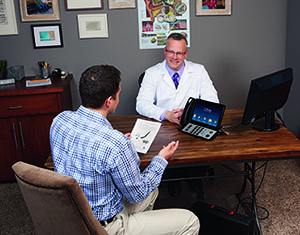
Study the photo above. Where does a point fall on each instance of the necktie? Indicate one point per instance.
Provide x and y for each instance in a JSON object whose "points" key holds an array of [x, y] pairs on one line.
{"points": [[175, 77]]}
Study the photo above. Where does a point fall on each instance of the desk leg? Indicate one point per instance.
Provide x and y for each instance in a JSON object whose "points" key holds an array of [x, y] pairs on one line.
{"points": [[254, 206]]}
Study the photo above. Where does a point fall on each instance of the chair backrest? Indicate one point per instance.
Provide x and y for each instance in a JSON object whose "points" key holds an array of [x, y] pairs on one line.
{"points": [[56, 202], [140, 79]]}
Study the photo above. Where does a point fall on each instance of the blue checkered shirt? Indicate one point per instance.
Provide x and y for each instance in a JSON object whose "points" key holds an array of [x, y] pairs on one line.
{"points": [[102, 160]]}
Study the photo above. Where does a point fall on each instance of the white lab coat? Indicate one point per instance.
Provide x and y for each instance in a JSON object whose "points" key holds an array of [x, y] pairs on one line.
{"points": [[158, 92]]}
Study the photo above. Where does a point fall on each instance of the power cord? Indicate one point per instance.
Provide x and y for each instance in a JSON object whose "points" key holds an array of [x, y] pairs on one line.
{"points": [[280, 118], [247, 201]]}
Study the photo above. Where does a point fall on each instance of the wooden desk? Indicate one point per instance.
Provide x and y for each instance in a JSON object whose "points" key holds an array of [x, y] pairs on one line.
{"points": [[242, 144]]}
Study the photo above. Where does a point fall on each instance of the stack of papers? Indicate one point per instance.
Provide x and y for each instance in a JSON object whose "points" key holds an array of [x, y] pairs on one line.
{"points": [[38, 82], [143, 134]]}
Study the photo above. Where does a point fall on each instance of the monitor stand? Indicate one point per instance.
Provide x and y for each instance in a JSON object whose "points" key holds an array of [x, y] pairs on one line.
{"points": [[268, 124]]}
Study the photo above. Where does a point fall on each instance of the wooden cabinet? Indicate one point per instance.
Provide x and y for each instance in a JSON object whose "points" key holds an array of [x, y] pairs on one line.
{"points": [[25, 118]]}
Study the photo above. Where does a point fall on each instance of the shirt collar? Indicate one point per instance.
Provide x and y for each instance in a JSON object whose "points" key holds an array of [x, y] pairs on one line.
{"points": [[171, 72], [93, 115]]}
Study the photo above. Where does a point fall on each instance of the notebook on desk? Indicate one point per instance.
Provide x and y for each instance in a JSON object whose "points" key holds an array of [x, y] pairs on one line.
{"points": [[202, 118]]}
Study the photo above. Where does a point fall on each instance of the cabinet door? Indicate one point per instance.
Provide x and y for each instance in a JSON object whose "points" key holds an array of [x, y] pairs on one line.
{"points": [[11, 150], [34, 136]]}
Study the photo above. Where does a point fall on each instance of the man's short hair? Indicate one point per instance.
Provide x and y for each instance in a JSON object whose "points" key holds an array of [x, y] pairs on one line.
{"points": [[177, 36], [98, 83]]}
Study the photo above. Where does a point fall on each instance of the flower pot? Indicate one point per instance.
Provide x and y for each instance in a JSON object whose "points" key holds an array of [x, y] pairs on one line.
{"points": [[3, 74]]}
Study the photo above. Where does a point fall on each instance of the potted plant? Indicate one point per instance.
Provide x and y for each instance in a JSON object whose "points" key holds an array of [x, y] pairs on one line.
{"points": [[3, 69]]}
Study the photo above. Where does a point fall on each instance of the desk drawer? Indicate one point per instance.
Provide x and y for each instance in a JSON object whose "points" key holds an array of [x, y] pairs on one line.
{"points": [[11, 106]]}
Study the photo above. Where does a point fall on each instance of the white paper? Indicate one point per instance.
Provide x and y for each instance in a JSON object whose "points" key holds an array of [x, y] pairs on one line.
{"points": [[143, 134]]}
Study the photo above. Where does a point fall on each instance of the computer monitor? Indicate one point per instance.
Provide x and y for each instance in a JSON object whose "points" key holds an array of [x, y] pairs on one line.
{"points": [[266, 95]]}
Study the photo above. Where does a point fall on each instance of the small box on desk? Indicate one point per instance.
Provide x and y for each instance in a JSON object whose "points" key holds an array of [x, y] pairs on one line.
{"points": [[16, 72], [216, 220]]}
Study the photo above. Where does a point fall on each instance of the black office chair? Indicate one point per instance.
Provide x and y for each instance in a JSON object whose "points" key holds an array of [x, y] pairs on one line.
{"points": [[140, 79]]}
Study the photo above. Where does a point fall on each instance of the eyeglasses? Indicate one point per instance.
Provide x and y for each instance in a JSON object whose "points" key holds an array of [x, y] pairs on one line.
{"points": [[172, 53]]}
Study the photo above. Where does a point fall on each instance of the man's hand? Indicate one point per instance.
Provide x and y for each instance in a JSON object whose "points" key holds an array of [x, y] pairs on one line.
{"points": [[174, 116], [167, 151], [128, 135]]}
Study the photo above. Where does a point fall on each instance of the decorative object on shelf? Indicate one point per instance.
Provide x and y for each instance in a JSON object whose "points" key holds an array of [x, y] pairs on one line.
{"points": [[83, 5], [16, 72], [56, 73], [114, 4], [213, 7], [45, 36], [39, 10], [3, 69], [8, 23], [92, 26]]}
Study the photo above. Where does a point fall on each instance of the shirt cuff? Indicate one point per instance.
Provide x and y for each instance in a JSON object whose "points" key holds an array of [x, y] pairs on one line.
{"points": [[159, 159], [162, 116]]}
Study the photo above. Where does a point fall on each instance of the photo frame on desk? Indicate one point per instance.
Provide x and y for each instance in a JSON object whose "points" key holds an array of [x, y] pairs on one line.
{"points": [[83, 5], [215, 7], [8, 23], [92, 26], [47, 36], [115, 4], [48, 10]]}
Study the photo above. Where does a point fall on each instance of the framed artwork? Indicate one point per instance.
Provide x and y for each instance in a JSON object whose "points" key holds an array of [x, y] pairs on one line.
{"points": [[8, 23], [43, 11], [114, 4], [213, 7], [92, 26], [83, 5], [47, 36], [157, 23]]}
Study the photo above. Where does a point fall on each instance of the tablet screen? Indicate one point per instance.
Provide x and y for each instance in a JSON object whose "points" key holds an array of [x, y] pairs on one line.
{"points": [[207, 114]]}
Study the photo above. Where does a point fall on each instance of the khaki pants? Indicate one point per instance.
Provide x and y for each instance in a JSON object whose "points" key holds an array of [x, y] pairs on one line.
{"points": [[142, 219]]}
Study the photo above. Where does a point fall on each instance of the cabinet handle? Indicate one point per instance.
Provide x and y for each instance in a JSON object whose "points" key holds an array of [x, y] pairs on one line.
{"points": [[15, 136], [21, 130], [13, 108]]}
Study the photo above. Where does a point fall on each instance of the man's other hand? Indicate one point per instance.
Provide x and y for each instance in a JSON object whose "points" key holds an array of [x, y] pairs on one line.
{"points": [[167, 151], [174, 116]]}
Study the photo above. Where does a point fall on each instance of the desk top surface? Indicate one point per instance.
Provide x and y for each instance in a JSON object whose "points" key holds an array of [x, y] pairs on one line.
{"points": [[19, 87], [242, 144]]}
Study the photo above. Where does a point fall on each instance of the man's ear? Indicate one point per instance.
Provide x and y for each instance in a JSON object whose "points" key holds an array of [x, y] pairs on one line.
{"points": [[187, 51], [108, 102]]}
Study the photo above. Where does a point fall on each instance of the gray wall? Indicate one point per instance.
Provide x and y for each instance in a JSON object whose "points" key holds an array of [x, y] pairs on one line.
{"points": [[292, 108], [234, 49]]}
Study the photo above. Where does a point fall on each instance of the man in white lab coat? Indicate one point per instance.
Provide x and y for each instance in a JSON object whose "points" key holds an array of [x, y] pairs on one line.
{"points": [[165, 89], [162, 98]]}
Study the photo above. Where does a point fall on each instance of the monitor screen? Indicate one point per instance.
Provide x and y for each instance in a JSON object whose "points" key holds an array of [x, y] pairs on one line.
{"points": [[266, 95], [207, 114]]}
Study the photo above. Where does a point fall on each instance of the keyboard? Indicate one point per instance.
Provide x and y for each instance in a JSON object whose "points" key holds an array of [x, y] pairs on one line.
{"points": [[199, 131]]}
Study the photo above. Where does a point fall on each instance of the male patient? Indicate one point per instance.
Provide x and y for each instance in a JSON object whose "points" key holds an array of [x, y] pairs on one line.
{"points": [[167, 86], [106, 165]]}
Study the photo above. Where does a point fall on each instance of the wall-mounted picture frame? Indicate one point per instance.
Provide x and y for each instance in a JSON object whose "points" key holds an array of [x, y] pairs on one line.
{"points": [[8, 23], [72, 5], [115, 4], [92, 26], [45, 11], [213, 7], [47, 36]]}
